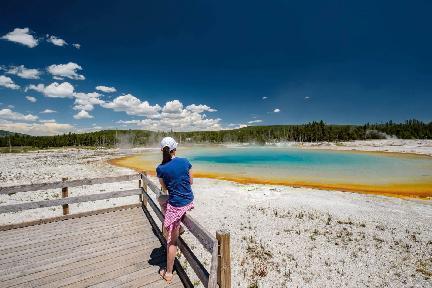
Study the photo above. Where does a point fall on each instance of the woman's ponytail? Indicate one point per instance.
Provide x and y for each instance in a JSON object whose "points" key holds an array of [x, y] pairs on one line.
{"points": [[166, 155]]}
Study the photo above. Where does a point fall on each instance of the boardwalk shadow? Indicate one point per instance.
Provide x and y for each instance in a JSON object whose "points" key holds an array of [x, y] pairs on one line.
{"points": [[158, 257]]}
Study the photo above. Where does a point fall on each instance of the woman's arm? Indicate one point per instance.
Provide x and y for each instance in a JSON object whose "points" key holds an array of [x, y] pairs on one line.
{"points": [[164, 188], [190, 177]]}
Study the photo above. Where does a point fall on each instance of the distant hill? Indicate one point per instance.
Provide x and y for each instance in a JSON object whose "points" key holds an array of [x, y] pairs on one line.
{"points": [[4, 133]]}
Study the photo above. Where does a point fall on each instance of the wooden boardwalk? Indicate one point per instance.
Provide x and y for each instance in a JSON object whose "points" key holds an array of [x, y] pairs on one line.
{"points": [[118, 248], [114, 247]]}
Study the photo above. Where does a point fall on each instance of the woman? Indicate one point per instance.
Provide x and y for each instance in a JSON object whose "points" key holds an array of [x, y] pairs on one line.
{"points": [[175, 176]]}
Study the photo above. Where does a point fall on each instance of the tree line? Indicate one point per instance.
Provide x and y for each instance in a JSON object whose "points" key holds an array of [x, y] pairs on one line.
{"points": [[310, 132]]}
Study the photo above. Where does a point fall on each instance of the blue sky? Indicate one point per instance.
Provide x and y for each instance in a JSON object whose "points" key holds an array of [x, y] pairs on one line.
{"points": [[199, 65]]}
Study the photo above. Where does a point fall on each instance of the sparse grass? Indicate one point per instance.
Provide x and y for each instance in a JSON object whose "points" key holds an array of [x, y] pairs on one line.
{"points": [[425, 268], [260, 257], [329, 219], [348, 222]]}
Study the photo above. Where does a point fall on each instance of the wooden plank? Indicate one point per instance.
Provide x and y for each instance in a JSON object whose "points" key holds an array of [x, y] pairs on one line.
{"points": [[224, 259], [92, 269], [100, 274], [11, 227], [61, 184], [77, 223], [203, 236], [114, 217], [155, 208], [64, 243], [51, 255], [196, 265], [65, 265], [49, 244], [70, 242], [48, 276], [133, 279], [79, 254], [65, 194], [214, 267], [60, 271], [55, 230], [157, 262], [22, 269], [176, 283], [143, 186], [70, 200], [152, 186]]}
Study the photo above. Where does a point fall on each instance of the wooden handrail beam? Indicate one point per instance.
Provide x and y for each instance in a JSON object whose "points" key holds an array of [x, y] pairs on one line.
{"points": [[63, 184], [69, 200]]}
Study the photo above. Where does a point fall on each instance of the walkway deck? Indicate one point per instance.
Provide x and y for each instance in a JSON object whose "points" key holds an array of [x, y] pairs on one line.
{"points": [[112, 249]]}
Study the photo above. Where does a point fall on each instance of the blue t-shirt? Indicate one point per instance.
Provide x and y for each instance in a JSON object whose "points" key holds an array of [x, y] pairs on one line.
{"points": [[175, 175]]}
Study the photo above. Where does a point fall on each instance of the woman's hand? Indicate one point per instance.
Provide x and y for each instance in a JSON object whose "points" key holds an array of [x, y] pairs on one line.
{"points": [[190, 177]]}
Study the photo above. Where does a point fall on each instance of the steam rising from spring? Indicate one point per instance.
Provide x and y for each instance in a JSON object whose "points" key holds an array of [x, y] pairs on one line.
{"points": [[379, 135]]}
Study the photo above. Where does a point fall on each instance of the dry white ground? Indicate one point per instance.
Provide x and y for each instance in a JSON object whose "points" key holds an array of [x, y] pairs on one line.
{"points": [[423, 147], [280, 236]]}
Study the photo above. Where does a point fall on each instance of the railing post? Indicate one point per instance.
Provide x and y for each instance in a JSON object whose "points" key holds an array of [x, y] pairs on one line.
{"points": [[65, 194], [224, 257], [143, 186]]}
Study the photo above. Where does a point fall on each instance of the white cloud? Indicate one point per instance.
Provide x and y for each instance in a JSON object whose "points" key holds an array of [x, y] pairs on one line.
{"points": [[277, 110], [82, 115], [307, 97], [200, 108], [184, 124], [69, 70], [86, 101], [36, 129], [47, 121], [8, 82], [54, 90], [173, 116], [21, 36], [236, 126], [76, 45], [47, 111], [31, 99], [264, 97], [173, 107], [24, 72], [106, 89], [132, 106], [55, 40], [255, 121], [8, 114]]}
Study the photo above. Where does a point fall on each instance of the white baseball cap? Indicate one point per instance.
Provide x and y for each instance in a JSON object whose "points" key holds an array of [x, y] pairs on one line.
{"points": [[168, 142]]}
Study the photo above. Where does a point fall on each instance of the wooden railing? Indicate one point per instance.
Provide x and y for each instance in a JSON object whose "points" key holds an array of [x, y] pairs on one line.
{"points": [[64, 183], [66, 200], [219, 246]]}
